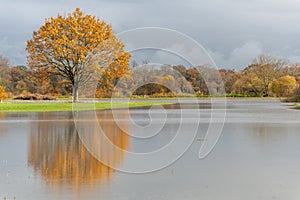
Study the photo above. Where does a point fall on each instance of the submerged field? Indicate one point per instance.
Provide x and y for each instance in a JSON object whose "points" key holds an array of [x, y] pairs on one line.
{"points": [[47, 156]]}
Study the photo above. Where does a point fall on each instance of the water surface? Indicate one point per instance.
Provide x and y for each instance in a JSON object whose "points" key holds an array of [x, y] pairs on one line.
{"points": [[257, 156]]}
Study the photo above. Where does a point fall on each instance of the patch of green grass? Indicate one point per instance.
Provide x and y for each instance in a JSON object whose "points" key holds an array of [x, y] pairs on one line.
{"points": [[237, 95], [55, 106]]}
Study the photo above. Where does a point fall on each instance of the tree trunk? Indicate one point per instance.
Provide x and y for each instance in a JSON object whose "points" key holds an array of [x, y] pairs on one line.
{"points": [[75, 92]]}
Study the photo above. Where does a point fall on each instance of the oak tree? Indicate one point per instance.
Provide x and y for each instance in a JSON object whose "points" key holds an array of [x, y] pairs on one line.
{"points": [[111, 76], [77, 47], [266, 68]]}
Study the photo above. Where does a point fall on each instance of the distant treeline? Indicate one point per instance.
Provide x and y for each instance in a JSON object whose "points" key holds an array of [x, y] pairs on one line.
{"points": [[21, 80], [265, 77]]}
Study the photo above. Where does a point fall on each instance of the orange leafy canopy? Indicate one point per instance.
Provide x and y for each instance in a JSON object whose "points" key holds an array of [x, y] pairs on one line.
{"points": [[75, 46], [3, 94]]}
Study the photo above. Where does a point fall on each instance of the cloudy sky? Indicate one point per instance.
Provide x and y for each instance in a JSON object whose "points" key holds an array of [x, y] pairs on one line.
{"points": [[234, 32]]}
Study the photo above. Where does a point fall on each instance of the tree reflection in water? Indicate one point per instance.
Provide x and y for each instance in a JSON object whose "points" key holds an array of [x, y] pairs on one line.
{"points": [[3, 125], [58, 155]]}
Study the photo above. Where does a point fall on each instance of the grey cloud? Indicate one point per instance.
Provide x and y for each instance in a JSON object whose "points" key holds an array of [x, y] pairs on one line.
{"points": [[228, 28], [239, 57]]}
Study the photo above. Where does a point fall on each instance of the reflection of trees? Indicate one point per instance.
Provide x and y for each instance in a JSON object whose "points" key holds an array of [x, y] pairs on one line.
{"points": [[57, 153], [2, 115], [3, 126]]}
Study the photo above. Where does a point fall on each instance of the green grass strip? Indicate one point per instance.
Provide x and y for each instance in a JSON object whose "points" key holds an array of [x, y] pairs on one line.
{"points": [[55, 107]]}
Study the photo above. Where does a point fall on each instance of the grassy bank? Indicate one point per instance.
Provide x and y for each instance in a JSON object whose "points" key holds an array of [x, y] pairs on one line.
{"points": [[64, 106]]}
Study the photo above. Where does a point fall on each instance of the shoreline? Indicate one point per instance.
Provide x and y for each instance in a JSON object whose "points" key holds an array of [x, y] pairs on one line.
{"points": [[106, 103], [69, 100], [56, 106]]}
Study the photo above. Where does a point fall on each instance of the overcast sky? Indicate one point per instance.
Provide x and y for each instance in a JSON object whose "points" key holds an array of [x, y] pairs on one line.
{"points": [[234, 32]]}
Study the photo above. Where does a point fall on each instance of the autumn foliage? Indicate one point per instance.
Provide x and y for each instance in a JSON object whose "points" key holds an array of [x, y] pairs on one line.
{"points": [[111, 75], [79, 52], [284, 86], [62, 158], [267, 76], [77, 47], [3, 94]]}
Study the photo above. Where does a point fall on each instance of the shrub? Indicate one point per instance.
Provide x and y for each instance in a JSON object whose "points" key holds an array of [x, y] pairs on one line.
{"points": [[29, 96]]}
